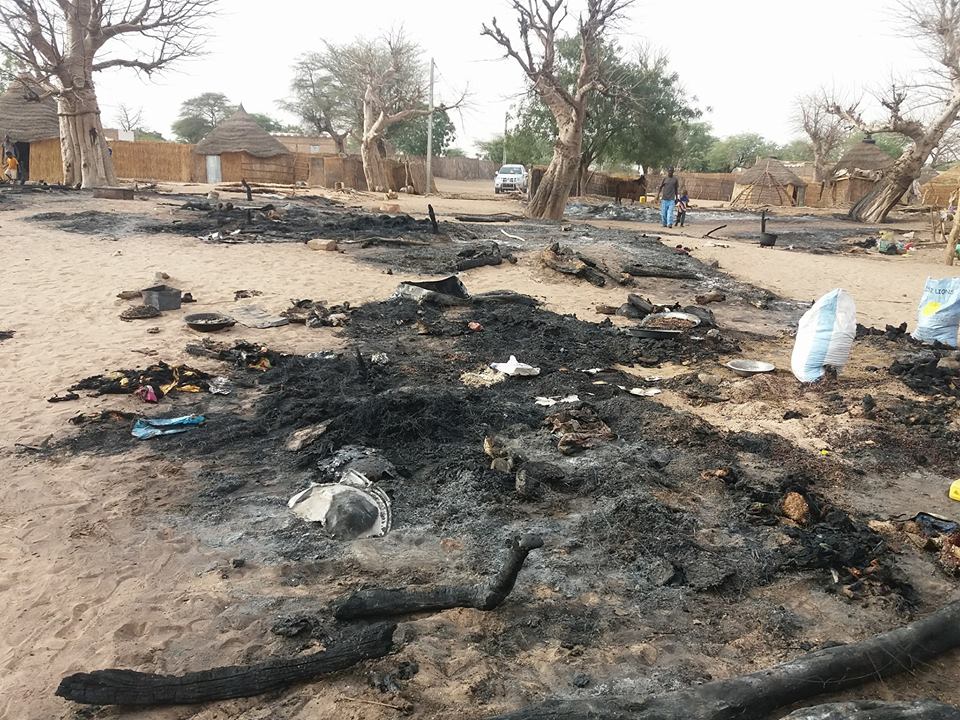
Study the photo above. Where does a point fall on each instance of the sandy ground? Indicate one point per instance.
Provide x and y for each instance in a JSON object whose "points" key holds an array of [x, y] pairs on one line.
{"points": [[87, 577]]}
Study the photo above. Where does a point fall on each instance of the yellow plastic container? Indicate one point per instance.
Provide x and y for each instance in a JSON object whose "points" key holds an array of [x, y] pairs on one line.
{"points": [[955, 490]]}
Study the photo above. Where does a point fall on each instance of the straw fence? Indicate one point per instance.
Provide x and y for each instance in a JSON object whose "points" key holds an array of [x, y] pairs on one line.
{"points": [[176, 162], [699, 186], [45, 162]]}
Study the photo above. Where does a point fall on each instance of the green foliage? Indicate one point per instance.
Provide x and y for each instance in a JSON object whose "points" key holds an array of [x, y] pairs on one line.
{"points": [[410, 136], [141, 135], [191, 129], [525, 146], [738, 151], [636, 117], [10, 67], [695, 143], [201, 114], [272, 125], [891, 143], [798, 150]]}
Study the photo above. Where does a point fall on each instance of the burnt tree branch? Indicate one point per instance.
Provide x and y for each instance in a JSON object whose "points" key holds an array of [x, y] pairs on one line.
{"points": [[128, 687], [755, 696], [484, 596]]}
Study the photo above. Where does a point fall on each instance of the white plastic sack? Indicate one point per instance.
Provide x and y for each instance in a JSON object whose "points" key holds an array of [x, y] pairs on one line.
{"points": [[939, 312], [824, 336]]}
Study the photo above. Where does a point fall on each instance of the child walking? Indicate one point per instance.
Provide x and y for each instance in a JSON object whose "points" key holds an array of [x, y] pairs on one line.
{"points": [[682, 204]]}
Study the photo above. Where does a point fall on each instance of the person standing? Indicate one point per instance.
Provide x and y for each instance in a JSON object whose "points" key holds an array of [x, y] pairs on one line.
{"points": [[682, 205], [667, 195], [11, 167]]}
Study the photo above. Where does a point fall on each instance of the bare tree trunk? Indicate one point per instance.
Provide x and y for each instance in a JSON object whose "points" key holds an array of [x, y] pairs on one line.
{"points": [[583, 175], [374, 166], [819, 164], [341, 142], [550, 202], [877, 205], [86, 158]]}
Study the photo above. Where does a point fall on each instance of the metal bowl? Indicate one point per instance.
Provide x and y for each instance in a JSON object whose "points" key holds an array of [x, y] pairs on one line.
{"points": [[648, 321], [209, 322], [746, 368]]}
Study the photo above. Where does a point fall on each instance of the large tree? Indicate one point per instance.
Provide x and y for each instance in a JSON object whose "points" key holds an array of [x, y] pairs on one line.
{"points": [[410, 136], [63, 43], [922, 111], [323, 103], [825, 131], [636, 116], [539, 24], [385, 82], [741, 150], [696, 139], [201, 114], [525, 146]]}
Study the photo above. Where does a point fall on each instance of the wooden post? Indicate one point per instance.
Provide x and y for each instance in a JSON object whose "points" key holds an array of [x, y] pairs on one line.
{"points": [[950, 251]]}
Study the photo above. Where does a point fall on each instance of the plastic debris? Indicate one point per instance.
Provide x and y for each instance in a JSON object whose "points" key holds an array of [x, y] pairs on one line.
{"points": [[221, 385], [643, 392], [351, 509], [551, 401], [514, 367], [146, 428]]}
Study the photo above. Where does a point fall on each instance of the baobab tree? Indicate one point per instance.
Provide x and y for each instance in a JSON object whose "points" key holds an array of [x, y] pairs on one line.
{"points": [[540, 22], [385, 82], [825, 130], [922, 112], [63, 43]]}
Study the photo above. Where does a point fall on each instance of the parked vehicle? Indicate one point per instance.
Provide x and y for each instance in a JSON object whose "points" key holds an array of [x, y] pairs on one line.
{"points": [[510, 178]]}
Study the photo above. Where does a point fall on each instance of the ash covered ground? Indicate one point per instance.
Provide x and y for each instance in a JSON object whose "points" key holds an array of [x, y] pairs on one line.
{"points": [[673, 521], [675, 532]]}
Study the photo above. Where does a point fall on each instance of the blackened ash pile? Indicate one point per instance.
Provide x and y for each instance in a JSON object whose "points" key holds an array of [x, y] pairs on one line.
{"points": [[297, 222], [632, 510]]}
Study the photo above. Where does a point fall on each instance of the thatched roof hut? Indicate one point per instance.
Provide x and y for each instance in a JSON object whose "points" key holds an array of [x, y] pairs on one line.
{"points": [[769, 182], [939, 190], [864, 156], [240, 133], [24, 116]]}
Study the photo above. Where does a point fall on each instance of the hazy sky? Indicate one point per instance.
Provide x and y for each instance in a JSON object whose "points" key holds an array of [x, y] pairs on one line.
{"points": [[745, 59]]}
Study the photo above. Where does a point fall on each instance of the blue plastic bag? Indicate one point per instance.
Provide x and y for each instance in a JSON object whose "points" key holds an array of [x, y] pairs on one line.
{"points": [[146, 428], [939, 313]]}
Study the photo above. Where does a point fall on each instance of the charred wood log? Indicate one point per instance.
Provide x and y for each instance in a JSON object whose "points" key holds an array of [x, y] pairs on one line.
{"points": [[433, 220], [564, 260], [494, 218], [128, 687], [755, 696], [478, 257], [247, 189], [483, 596], [478, 261], [662, 272]]}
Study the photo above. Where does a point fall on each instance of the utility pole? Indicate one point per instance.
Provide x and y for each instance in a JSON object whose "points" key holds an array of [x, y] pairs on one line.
{"points": [[430, 135], [506, 116]]}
